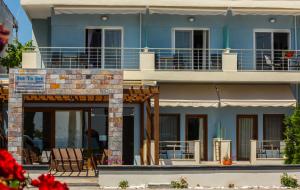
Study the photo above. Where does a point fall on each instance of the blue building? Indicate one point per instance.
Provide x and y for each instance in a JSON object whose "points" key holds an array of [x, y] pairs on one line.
{"points": [[227, 73]]}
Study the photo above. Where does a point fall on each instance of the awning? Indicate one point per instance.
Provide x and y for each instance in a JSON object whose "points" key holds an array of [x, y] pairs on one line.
{"points": [[99, 10], [256, 95], [187, 11], [265, 11], [189, 95]]}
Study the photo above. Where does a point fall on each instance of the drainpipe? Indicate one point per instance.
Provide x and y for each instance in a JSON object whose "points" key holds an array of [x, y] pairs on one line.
{"points": [[141, 22], [296, 48]]}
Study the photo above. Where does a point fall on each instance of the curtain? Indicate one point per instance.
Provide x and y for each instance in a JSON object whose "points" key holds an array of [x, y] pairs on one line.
{"points": [[169, 128], [112, 48], [273, 129], [245, 135]]}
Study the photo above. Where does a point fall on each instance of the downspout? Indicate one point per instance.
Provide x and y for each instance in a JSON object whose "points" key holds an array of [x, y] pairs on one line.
{"points": [[141, 22], [296, 48]]}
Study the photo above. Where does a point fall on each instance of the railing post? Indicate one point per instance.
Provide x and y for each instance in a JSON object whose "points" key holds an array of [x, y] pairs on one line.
{"points": [[31, 60], [197, 152], [253, 144], [147, 61], [152, 147], [229, 62]]}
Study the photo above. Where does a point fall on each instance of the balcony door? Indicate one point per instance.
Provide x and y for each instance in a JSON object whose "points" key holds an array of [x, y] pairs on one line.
{"points": [[191, 48], [104, 47], [270, 46], [196, 129], [246, 131]]}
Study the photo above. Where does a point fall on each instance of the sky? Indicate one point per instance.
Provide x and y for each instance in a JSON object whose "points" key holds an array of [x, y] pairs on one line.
{"points": [[23, 21]]}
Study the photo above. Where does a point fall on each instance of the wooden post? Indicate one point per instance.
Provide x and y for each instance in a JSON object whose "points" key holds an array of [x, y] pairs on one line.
{"points": [[148, 131], [156, 128], [142, 133]]}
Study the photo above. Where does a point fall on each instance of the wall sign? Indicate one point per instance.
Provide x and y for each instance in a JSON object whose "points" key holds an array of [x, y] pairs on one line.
{"points": [[29, 83]]}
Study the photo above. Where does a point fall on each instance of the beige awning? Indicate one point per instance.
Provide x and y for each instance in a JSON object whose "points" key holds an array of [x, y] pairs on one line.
{"points": [[189, 95], [264, 11], [256, 95], [187, 11], [99, 10]]}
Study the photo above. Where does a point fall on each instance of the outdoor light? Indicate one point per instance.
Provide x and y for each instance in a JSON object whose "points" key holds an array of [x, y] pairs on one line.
{"points": [[191, 19], [272, 20], [104, 18]]}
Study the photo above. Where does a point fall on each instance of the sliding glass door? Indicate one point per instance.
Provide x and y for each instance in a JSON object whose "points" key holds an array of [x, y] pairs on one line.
{"points": [[191, 49], [270, 49], [104, 48]]}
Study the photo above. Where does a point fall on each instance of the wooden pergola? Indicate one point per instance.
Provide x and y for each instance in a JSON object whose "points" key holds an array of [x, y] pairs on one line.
{"points": [[132, 94]]}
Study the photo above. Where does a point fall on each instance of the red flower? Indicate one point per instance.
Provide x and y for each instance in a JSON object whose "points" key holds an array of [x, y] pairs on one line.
{"points": [[47, 182], [4, 187], [35, 183]]}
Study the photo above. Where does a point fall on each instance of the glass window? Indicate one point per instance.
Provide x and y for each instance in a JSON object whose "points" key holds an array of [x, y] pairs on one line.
{"points": [[169, 128]]}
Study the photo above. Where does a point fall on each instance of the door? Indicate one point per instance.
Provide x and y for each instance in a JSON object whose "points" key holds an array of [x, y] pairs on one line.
{"points": [[246, 131], [273, 130], [270, 47], [128, 137], [196, 129], [104, 46], [191, 48]]}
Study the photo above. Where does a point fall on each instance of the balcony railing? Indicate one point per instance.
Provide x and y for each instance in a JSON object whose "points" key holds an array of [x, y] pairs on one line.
{"points": [[177, 150], [270, 149], [169, 59], [82, 57], [188, 59], [267, 60]]}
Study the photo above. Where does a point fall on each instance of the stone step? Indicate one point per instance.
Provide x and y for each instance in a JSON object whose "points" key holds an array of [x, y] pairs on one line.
{"points": [[159, 185]]}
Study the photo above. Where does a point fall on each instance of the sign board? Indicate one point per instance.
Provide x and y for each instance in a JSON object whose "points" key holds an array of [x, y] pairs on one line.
{"points": [[29, 83]]}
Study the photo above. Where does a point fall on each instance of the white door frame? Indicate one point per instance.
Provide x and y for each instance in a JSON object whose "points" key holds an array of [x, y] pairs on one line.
{"points": [[272, 31], [104, 28], [192, 29]]}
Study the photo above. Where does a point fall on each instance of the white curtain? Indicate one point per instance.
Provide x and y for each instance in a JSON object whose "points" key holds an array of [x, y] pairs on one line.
{"points": [[245, 135]]}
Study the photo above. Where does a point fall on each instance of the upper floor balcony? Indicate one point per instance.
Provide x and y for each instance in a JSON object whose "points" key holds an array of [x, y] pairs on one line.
{"points": [[177, 64]]}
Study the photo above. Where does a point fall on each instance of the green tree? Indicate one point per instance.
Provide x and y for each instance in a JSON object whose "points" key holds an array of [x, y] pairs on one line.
{"points": [[13, 56], [292, 138]]}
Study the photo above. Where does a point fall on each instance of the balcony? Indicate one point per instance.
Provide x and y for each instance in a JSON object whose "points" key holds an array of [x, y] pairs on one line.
{"points": [[235, 65]]}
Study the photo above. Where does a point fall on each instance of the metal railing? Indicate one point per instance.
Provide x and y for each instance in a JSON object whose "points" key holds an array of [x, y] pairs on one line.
{"points": [[177, 149], [83, 57], [270, 149], [267, 60], [188, 59]]}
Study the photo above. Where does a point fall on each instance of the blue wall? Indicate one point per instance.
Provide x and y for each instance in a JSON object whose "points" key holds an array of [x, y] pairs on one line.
{"points": [[227, 117], [69, 30]]}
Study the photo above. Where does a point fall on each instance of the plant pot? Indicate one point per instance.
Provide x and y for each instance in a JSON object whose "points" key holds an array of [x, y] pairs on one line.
{"points": [[227, 162]]}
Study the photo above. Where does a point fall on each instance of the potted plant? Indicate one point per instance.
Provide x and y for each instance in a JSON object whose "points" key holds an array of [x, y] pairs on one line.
{"points": [[227, 161]]}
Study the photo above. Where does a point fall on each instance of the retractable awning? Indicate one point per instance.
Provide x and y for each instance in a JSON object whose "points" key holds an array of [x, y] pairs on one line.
{"points": [[99, 10], [189, 95], [264, 11], [256, 95], [187, 11]]}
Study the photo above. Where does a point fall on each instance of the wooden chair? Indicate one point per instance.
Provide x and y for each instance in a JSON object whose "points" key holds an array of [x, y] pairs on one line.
{"points": [[75, 159], [56, 162]]}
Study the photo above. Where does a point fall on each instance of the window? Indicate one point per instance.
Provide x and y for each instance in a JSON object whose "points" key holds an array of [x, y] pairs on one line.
{"points": [[169, 127], [270, 49], [273, 129], [191, 46], [104, 46]]}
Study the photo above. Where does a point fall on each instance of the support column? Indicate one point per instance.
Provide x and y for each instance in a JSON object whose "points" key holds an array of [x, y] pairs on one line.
{"points": [[148, 131], [142, 133], [15, 124], [115, 127], [156, 128]]}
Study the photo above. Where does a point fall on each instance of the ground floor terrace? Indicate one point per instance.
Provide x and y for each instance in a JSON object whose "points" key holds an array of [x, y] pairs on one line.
{"points": [[143, 123]]}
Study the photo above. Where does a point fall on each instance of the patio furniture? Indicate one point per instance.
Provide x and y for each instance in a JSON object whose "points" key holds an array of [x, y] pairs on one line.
{"points": [[70, 160]]}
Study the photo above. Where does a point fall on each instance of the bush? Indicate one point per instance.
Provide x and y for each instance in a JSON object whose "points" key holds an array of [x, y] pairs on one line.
{"points": [[180, 184], [288, 181], [123, 184], [292, 138]]}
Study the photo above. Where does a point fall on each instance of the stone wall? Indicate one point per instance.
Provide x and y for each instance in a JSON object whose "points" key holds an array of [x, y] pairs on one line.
{"points": [[69, 82]]}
